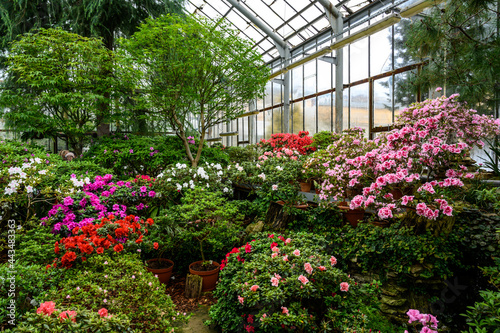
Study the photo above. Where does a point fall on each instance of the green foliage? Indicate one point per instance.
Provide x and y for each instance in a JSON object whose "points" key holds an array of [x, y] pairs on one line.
{"points": [[462, 43], [314, 304], [238, 154], [484, 316], [130, 155], [397, 249], [318, 220], [35, 246], [323, 139], [492, 163], [122, 285], [204, 215], [194, 66], [85, 321], [31, 284]]}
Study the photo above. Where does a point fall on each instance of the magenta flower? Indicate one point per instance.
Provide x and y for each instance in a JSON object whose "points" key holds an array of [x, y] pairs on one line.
{"points": [[151, 194], [68, 201], [143, 189]]}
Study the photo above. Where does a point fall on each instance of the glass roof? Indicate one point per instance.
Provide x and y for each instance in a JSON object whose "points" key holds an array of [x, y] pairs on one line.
{"points": [[295, 21]]}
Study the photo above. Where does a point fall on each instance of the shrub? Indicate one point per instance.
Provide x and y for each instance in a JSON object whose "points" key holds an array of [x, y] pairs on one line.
{"points": [[130, 155], [279, 141], [275, 284], [72, 319], [122, 285]]}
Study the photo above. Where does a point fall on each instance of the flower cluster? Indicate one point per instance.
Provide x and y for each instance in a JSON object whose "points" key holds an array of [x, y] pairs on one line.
{"points": [[210, 176], [273, 278], [49, 307], [280, 141], [99, 199], [429, 322], [26, 177], [417, 166], [107, 235]]}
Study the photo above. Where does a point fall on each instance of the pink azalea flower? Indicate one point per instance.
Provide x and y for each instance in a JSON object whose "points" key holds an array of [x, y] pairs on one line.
{"points": [[333, 260], [285, 310], [254, 287], [344, 286], [241, 299], [296, 253], [308, 268], [303, 279], [275, 281]]}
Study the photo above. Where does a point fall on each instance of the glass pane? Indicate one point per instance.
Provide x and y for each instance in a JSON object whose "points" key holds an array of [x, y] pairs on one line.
{"points": [[382, 100], [244, 131], [401, 55], [277, 93], [297, 123], [381, 52], [345, 116], [359, 106], [404, 91], [268, 97], [297, 82], [310, 115], [260, 126], [277, 120], [310, 78], [359, 60], [324, 75], [324, 112]]}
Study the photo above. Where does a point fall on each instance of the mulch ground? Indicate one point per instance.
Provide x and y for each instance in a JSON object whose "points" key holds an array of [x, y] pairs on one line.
{"points": [[175, 289]]}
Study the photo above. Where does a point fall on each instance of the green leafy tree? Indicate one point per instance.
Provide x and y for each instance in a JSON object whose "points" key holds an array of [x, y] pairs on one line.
{"points": [[461, 40], [57, 85], [195, 69]]}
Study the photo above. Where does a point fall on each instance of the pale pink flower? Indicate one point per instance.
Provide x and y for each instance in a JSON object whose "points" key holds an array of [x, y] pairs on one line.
{"points": [[287, 241], [275, 281], [303, 279], [275, 187], [274, 255], [296, 253], [263, 316], [344, 286], [333, 260], [285, 310], [308, 268], [275, 249], [277, 276], [285, 257], [241, 299]]}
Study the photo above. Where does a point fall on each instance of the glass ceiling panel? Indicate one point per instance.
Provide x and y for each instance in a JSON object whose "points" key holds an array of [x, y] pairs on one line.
{"points": [[292, 20]]}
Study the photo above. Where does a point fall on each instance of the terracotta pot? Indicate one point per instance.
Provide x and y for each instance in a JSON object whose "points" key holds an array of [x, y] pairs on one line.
{"points": [[209, 277], [305, 187], [164, 274], [353, 216]]}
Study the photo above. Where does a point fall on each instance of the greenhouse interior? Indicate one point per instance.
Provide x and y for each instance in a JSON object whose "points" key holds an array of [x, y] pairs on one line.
{"points": [[250, 166]]}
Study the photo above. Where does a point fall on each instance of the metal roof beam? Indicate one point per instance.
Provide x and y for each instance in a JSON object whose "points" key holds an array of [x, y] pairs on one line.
{"points": [[280, 43]]}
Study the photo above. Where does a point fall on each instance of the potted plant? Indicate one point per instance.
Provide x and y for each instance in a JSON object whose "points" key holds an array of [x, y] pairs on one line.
{"points": [[165, 229], [202, 213]]}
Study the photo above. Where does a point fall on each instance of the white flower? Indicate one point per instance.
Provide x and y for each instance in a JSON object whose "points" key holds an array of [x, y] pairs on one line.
{"points": [[37, 160], [160, 175], [258, 165], [29, 189], [208, 186], [9, 190], [169, 179], [275, 187], [42, 172], [179, 187], [26, 165], [226, 190], [279, 168], [263, 176], [185, 185], [240, 168], [22, 174]]}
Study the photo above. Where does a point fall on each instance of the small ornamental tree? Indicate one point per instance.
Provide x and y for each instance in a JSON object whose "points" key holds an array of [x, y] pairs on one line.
{"points": [[57, 85], [194, 69]]}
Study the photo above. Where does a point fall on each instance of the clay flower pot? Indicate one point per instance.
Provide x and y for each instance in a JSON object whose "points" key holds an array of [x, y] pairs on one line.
{"points": [[164, 274], [209, 277], [353, 216], [305, 186]]}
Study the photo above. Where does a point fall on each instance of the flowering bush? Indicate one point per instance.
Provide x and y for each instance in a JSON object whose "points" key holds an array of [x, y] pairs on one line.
{"points": [[122, 286], [107, 236], [277, 284], [182, 177], [429, 322], [300, 142], [100, 198], [49, 319], [326, 165], [429, 147], [129, 155]]}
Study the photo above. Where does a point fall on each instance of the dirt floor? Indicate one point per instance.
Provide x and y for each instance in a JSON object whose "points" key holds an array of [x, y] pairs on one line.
{"points": [[198, 307]]}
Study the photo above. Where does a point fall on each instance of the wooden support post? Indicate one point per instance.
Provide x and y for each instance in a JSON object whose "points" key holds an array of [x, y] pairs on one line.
{"points": [[193, 286]]}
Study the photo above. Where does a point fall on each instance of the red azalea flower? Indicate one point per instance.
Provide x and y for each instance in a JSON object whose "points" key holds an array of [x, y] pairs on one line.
{"points": [[155, 245], [99, 250], [118, 247]]}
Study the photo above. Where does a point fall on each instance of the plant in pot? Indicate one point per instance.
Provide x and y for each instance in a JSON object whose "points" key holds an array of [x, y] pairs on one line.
{"points": [[202, 213], [278, 177], [338, 185], [165, 227]]}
